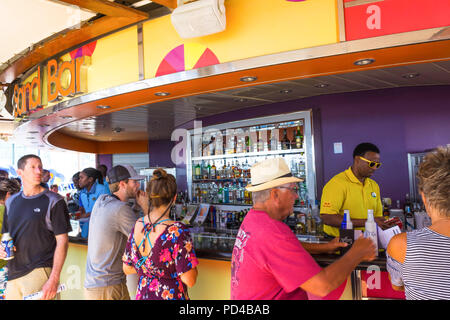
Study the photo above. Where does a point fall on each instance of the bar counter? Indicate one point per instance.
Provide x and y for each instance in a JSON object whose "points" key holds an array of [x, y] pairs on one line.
{"points": [[214, 272]]}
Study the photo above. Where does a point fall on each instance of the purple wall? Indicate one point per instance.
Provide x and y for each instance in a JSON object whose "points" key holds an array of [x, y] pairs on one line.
{"points": [[159, 153], [105, 159], [398, 121]]}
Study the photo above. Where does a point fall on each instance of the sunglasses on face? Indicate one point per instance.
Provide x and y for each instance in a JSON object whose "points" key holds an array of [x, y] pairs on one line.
{"points": [[293, 190], [372, 164]]}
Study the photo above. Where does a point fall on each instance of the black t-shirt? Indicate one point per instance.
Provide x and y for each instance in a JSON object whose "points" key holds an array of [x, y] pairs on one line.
{"points": [[33, 222]]}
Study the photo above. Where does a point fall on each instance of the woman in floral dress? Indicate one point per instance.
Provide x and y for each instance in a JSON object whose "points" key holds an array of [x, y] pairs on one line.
{"points": [[160, 250]]}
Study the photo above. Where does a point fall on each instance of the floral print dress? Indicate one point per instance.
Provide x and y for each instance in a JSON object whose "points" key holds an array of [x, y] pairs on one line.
{"points": [[159, 276]]}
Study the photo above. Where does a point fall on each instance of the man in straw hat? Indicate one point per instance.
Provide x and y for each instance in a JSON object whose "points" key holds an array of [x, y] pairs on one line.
{"points": [[268, 261]]}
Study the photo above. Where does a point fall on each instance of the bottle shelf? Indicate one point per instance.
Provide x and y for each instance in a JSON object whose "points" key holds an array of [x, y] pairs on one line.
{"points": [[249, 154], [221, 180]]}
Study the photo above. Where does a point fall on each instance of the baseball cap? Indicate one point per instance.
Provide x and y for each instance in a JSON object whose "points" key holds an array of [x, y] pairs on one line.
{"points": [[123, 172]]}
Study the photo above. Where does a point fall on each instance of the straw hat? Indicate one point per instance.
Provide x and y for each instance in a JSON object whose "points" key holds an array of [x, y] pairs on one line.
{"points": [[269, 174]]}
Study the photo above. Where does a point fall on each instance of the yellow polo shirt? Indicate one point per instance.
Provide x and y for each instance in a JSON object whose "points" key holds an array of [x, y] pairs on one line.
{"points": [[345, 192]]}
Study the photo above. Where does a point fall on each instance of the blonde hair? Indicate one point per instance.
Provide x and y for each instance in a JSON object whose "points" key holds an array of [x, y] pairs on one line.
{"points": [[114, 187], [434, 179]]}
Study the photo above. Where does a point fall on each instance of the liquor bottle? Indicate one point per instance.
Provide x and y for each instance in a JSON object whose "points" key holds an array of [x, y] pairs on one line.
{"points": [[409, 219], [186, 198], [213, 172], [204, 189], [301, 169], [247, 197], [198, 193], [407, 203], [226, 194], [285, 143], [298, 138], [293, 143], [183, 211], [237, 170], [278, 140], [241, 194], [219, 171], [310, 222], [269, 140], [220, 194], [197, 171], [224, 174], [205, 171], [371, 229], [214, 191], [261, 137], [224, 143], [254, 142], [247, 144], [212, 146], [274, 139], [346, 233], [232, 193], [239, 143]]}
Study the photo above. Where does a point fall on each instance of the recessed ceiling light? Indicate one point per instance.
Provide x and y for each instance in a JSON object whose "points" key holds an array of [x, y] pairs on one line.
{"points": [[66, 117], [33, 131], [286, 91], [363, 62], [43, 125], [103, 107], [411, 75], [321, 85], [162, 94], [248, 79], [117, 130], [240, 100]]}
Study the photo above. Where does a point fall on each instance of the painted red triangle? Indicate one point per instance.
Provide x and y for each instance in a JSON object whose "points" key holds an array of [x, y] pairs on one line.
{"points": [[164, 68], [208, 58]]}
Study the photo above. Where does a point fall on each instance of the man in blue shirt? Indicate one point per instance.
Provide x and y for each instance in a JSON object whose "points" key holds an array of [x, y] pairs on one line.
{"points": [[91, 184]]}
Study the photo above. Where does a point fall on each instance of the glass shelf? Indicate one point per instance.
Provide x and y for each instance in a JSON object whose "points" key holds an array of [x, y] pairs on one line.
{"points": [[249, 154]]}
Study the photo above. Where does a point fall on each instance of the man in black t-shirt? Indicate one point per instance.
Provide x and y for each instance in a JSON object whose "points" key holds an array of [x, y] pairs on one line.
{"points": [[38, 221]]}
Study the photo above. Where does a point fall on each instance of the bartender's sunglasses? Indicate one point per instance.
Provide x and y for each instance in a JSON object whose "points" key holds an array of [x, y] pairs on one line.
{"points": [[372, 164]]}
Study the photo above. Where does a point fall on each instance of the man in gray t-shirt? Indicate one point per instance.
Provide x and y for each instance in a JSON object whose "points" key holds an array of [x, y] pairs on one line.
{"points": [[112, 220]]}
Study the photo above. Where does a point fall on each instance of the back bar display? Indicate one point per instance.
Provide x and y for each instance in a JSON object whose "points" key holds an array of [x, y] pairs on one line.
{"points": [[221, 157]]}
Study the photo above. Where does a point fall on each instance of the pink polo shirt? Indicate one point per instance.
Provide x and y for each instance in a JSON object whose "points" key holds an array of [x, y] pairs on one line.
{"points": [[268, 261]]}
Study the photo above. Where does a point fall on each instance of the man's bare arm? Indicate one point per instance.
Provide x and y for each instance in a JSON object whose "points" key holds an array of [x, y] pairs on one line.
{"points": [[51, 286]]}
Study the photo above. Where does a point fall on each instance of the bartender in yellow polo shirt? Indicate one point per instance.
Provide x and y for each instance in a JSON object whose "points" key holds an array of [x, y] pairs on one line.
{"points": [[353, 190]]}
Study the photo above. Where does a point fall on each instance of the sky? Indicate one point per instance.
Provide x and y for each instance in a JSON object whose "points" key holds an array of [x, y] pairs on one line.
{"points": [[24, 22]]}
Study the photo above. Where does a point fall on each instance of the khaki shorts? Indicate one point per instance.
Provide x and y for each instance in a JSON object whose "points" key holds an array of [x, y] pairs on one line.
{"points": [[30, 283], [115, 292]]}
